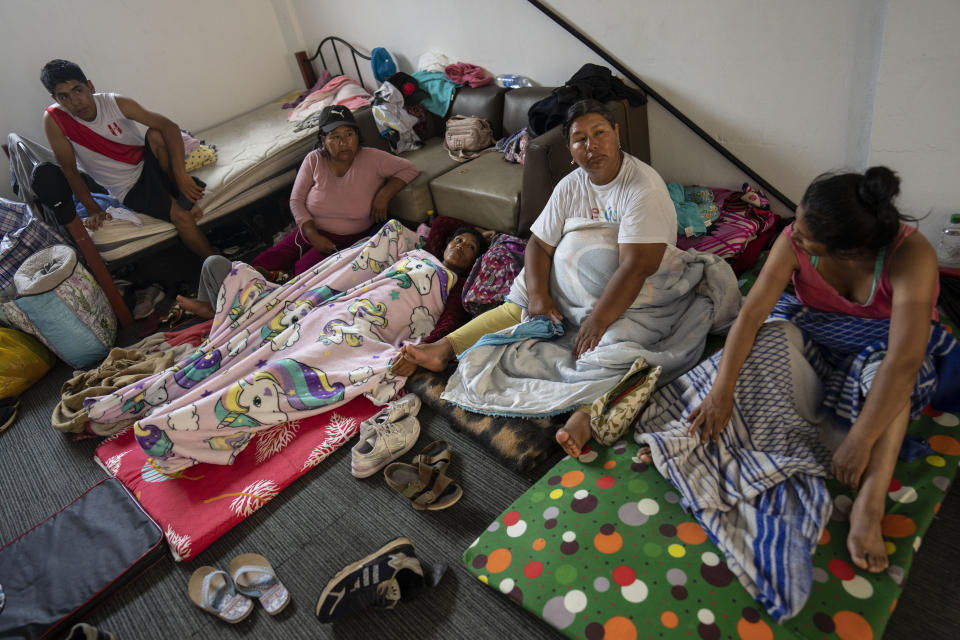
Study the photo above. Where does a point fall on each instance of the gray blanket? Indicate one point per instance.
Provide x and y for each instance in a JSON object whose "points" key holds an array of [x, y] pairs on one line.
{"points": [[690, 295]]}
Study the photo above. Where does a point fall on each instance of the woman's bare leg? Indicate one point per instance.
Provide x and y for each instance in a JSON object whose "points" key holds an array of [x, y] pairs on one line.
{"points": [[865, 540], [434, 357]]}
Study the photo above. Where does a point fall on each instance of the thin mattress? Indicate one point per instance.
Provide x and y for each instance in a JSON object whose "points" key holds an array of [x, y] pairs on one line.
{"points": [[257, 153]]}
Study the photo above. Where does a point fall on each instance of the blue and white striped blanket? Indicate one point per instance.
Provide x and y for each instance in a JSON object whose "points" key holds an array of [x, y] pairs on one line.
{"points": [[759, 492], [847, 352]]}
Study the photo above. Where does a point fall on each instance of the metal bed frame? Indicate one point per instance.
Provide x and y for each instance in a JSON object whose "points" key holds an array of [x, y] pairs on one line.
{"points": [[334, 46]]}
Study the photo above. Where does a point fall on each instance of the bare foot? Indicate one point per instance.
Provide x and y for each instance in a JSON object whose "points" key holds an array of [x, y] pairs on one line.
{"points": [[575, 433], [644, 455], [198, 308], [429, 356], [402, 367], [865, 540]]}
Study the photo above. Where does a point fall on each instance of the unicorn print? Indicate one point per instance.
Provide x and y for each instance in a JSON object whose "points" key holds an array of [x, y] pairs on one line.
{"points": [[289, 337], [366, 315], [419, 273], [198, 367], [377, 256], [237, 343], [421, 323], [292, 312], [184, 419], [255, 403], [97, 409], [244, 300], [360, 375]]}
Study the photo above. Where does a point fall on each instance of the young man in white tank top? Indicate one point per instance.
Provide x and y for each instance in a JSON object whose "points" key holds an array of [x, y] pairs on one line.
{"points": [[99, 131]]}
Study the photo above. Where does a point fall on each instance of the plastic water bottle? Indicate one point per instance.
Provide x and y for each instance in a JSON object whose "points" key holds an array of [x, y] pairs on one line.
{"points": [[948, 247], [512, 80]]}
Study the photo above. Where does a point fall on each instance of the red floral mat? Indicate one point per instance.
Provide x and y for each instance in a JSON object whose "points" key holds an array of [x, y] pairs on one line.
{"points": [[196, 506]]}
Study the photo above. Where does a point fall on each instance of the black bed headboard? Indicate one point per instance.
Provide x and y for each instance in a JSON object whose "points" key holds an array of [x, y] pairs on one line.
{"points": [[334, 47]]}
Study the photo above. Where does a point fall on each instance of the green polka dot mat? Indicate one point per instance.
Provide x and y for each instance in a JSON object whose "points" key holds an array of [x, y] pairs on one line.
{"points": [[600, 549]]}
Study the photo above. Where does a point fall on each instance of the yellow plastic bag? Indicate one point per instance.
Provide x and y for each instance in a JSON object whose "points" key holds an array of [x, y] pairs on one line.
{"points": [[23, 361]]}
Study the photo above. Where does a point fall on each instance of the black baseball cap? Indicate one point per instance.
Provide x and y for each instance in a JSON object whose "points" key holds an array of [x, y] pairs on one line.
{"points": [[336, 115]]}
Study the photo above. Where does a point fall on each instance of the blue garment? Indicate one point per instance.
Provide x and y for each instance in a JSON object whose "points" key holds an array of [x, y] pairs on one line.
{"points": [[536, 328], [695, 208], [440, 88], [105, 201]]}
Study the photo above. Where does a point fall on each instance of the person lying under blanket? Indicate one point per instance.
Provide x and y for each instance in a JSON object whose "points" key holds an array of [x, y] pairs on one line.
{"points": [[341, 190], [280, 352], [463, 248], [622, 206]]}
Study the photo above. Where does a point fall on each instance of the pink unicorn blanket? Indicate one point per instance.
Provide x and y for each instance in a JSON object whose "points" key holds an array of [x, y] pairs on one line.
{"points": [[278, 353]]}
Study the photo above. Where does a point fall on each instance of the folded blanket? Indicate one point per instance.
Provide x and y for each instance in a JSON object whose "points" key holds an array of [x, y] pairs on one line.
{"points": [[690, 295]]}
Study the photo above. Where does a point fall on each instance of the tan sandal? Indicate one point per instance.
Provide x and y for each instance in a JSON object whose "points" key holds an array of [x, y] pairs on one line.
{"points": [[436, 454], [255, 578], [213, 591], [427, 488]]}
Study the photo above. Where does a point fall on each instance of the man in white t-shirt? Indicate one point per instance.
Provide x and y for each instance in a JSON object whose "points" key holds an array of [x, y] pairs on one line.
{"points": [[607, 185], [99, 131]]}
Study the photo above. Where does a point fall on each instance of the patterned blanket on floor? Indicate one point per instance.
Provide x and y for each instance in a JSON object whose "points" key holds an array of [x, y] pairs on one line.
{"points": [[283, 352]]}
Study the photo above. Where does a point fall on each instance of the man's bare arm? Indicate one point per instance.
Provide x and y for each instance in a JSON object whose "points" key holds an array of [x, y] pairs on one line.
{"points": [[172, 140], [67, 159]]}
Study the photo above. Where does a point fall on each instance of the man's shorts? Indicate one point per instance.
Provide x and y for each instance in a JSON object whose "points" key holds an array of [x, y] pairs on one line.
{"points": [[154, 191]]}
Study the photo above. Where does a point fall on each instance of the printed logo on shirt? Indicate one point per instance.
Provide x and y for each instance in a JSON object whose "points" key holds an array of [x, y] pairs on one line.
{"points": [[114, 128], [609, 214]]}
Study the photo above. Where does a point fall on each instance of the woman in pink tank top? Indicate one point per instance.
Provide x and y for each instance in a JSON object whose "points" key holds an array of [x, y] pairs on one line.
{"points": [[847, 252]]}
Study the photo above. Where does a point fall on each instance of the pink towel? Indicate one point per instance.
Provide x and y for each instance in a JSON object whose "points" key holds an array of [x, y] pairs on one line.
{"points": [[466, 73]]}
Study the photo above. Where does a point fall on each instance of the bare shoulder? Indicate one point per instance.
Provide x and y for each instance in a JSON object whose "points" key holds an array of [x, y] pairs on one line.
{"points": [[914, 253], [914, 264]]}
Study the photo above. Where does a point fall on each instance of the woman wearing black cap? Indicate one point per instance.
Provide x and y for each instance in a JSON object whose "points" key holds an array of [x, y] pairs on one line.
{"points": [[342, 189]]}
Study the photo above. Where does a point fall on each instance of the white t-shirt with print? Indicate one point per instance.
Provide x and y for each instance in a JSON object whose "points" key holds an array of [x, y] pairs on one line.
{"points": [[637, 199]]}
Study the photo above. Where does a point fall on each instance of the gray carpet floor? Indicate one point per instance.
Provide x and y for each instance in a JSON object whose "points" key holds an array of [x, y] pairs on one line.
{"points": [[327, 519]]}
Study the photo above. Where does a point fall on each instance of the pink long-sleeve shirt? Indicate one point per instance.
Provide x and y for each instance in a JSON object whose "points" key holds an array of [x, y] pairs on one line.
{"points": [[341, 205]]}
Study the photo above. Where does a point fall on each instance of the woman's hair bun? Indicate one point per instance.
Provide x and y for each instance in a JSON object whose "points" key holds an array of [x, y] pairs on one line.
{"points": [[879, 186]]}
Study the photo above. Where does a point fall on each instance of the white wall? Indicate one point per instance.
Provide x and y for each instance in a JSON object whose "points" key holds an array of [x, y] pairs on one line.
{"points": [[198, 62], [916, 126], [792, 88], [789, 87]]}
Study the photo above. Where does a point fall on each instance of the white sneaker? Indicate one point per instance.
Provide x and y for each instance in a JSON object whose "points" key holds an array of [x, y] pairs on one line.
{"points": [[408, 405], [147, 300], [382, 444]]}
